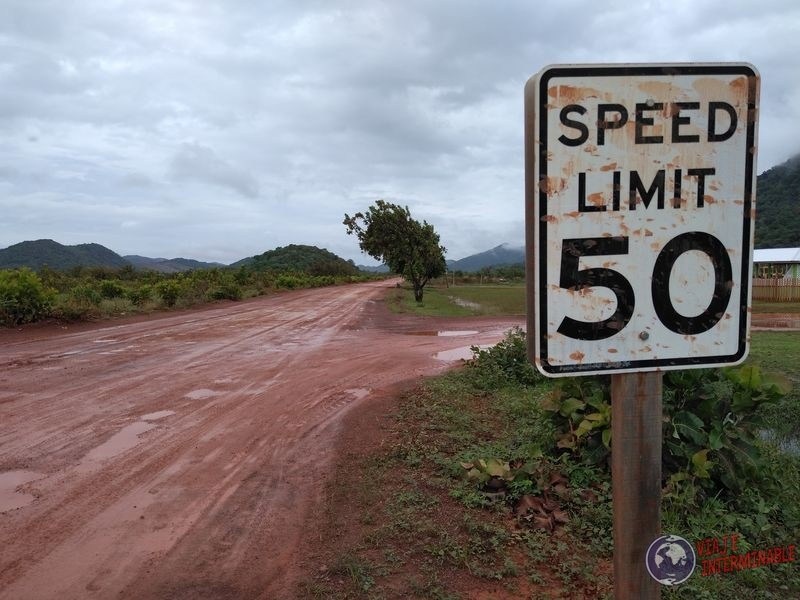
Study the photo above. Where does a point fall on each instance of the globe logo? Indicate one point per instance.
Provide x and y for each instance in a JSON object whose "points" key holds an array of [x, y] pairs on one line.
{"points": [[670, 560]]}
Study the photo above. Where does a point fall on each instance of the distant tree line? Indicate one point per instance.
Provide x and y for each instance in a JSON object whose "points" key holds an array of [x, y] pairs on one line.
{"points": [[93, 292]]}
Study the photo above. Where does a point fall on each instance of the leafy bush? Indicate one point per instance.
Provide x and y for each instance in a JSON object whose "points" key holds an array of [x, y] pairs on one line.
{"points": [[140, 295], [169, 291], [289, 282], [23, 297], [710, 432], [227, 291], [504, 364], [85, 295], [111, 289], [581, 409]]}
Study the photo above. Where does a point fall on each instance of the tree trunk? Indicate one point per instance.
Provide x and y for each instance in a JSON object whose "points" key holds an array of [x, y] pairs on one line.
{"points": [[418, 293]]}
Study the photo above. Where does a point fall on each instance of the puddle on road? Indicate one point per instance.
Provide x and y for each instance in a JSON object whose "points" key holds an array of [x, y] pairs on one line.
{"points": [[202, 394], [358, 393], [463, 353], [10, 498], [442, 333], [155, 416], [124, 439]]}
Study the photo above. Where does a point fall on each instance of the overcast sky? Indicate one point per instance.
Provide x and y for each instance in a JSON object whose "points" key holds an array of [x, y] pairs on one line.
{"points": [[216, 129]]}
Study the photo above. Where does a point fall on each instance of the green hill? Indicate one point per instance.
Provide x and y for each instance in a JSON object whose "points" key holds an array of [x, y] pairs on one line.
{"points": [[168, 265], [778, 206], [38, 253], [297, 257]]}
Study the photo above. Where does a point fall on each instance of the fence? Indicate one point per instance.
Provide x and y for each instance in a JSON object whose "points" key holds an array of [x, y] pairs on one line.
{"points": [[776, 290]]}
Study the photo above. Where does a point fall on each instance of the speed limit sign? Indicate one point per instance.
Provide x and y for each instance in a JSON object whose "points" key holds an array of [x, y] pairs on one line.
{"points": [[640, 197]]}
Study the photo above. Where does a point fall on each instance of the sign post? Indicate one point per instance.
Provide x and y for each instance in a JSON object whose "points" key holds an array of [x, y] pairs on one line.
{"points": [[640, 200], [635, 480]]}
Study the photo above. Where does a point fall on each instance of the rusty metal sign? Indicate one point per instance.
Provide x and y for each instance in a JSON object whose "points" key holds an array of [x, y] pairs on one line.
{"points": [[640, 197]]}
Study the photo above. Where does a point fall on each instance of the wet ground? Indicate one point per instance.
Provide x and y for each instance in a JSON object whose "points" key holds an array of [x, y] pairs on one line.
{"points": [[183, 456], [775, 321]]}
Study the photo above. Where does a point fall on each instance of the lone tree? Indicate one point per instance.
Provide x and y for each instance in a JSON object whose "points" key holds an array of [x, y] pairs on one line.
{"points": [[410, 248]]}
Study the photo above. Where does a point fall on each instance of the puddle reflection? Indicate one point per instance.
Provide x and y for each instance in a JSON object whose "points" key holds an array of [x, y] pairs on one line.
{"points": [[10, 498]]}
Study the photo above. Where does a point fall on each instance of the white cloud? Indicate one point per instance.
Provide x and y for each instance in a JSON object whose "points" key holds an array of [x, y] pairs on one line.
{"points": [[220, 129]]}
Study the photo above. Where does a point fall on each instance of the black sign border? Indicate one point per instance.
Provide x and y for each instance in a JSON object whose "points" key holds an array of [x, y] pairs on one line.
{"points": [[541, 117]]}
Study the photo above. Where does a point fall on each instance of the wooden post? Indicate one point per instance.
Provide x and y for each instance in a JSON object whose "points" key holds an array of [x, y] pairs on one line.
{"points": [[636, 480]]}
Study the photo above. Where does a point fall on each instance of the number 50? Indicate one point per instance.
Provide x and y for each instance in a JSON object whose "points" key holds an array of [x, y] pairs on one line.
{"points": [[574, 278]]}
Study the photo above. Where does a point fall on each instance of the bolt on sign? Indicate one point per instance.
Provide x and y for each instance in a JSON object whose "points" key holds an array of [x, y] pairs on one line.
{"points": [[640, 200]]}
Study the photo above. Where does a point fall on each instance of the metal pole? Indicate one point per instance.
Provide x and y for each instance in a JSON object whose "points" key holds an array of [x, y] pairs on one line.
{"points": [[636, 480]]}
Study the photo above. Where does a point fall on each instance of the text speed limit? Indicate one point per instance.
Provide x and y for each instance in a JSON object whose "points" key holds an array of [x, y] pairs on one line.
{"points": [[639, 202]]}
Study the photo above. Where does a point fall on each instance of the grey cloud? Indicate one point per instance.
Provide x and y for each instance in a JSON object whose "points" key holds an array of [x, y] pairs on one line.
{"points": [[297, 111], [201, 163]]}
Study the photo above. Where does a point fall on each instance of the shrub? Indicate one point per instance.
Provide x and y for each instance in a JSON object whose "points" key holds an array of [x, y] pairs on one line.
{"points": [[23, 297], [227, 291], [288, 281], [169, 291], [85, 295], [111, 289], [504, 364], [711, 425], [138, 296]]}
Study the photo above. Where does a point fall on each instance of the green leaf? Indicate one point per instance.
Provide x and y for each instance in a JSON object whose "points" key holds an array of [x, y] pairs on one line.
{"points": [[715, 438], [742, 401], [606, 436], [596, 417], [690, 426], [497, 468], [749, 377], [570, 406], [701, 464]]}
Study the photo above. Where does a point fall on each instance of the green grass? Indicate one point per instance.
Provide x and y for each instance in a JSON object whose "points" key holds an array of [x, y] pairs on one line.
{"points": [[441, 301], [508, 299], [425, 530], [779, 352], [493, 299], [776, 307], [434, 303]]}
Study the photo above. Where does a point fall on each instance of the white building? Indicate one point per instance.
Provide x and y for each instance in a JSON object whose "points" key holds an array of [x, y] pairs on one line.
{"points": [[776, 263]]}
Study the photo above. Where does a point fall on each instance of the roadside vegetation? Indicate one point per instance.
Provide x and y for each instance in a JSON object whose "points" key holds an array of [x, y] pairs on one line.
{"points": [[492, 480], [91, 293]]}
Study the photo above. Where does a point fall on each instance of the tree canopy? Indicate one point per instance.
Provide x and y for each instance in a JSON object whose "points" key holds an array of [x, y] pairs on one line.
{"points": [[778, 206], [388, 233]]}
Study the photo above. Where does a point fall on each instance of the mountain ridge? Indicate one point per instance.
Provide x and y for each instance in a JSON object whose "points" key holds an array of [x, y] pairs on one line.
{"points": [[500, 256], [36, 254]]}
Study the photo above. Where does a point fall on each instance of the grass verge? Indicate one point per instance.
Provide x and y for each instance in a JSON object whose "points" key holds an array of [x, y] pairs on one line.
{"points": [[460, 301], [405, 520], [779, 351], [776, 307]]}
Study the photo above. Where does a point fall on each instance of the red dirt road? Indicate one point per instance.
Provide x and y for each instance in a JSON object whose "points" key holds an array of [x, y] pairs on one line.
{"points": [[183, 456]]}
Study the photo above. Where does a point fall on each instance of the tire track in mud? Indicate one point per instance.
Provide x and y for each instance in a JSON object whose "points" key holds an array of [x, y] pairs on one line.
{"points": [[210, 500]]}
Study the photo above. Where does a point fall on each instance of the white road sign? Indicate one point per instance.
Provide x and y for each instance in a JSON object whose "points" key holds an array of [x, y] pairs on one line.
{"points": [[640, 199]]}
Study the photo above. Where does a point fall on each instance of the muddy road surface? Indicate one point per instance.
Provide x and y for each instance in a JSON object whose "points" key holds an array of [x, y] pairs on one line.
{"points": [[183, 456]]}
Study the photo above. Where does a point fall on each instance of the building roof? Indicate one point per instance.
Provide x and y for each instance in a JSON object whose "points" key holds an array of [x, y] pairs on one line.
{"points": [[777, 255]]}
